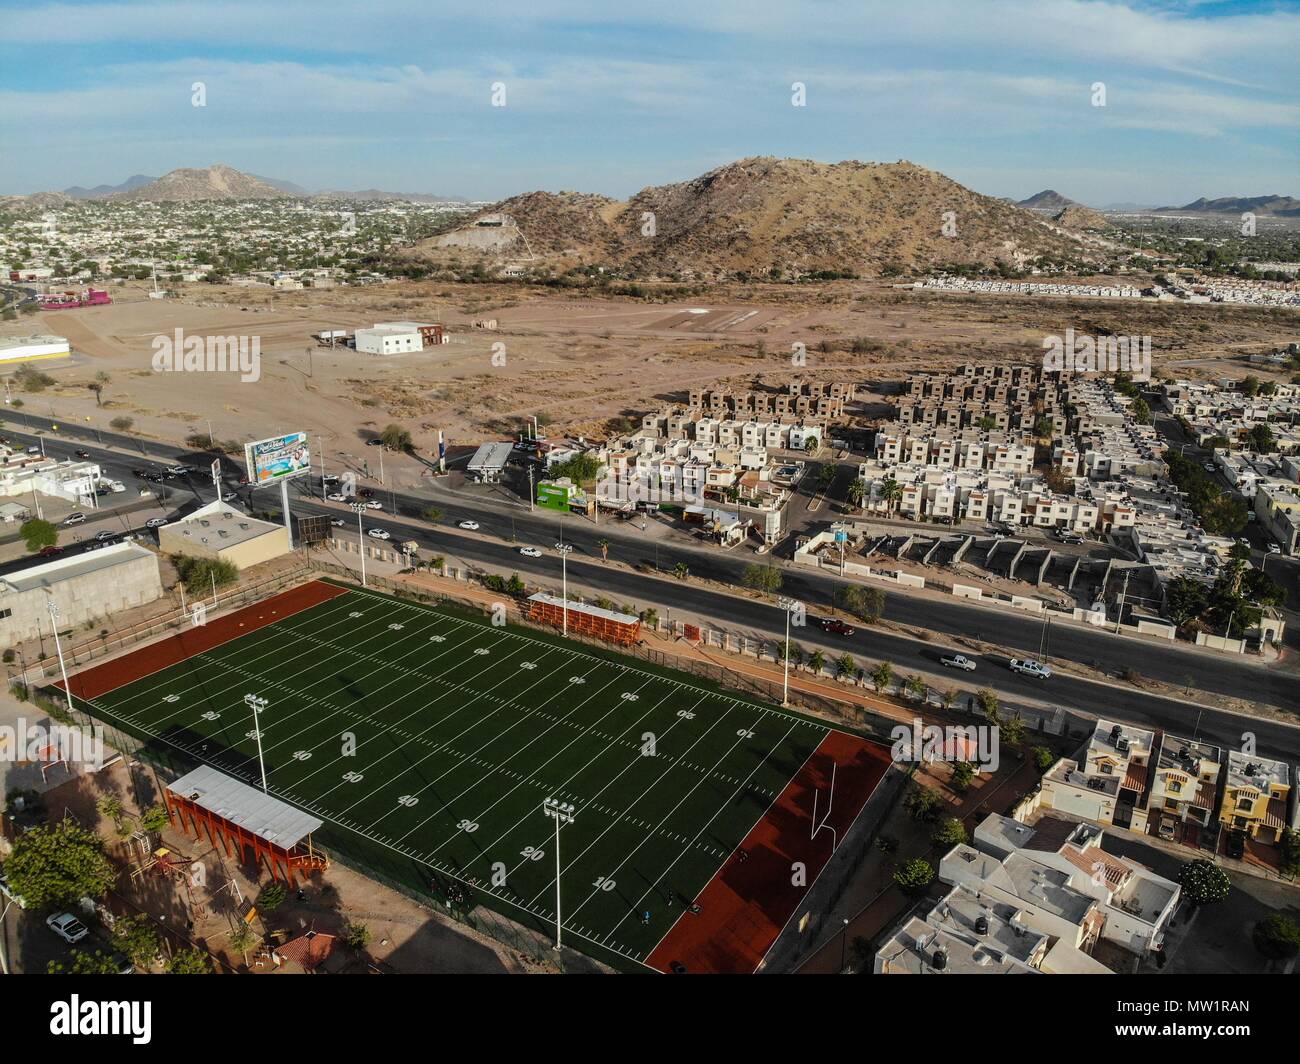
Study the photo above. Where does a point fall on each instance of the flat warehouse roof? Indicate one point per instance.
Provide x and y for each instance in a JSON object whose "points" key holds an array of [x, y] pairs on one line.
{"points": [[268, 818]]}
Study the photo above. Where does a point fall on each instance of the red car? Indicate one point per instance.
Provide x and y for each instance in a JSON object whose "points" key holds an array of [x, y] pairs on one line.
{"points": [[50, 552], [831, 624]]}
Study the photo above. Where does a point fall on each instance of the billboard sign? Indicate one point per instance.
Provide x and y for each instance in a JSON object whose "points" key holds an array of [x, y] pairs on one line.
{"points": [[278, 458]]}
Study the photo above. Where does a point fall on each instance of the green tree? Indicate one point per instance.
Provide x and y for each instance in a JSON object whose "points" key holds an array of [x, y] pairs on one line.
{"points": [[949, 833], [921, 802], [1277, 937], [1043, 758], [272, 896], [155, 818], [762, 578], [137, 938], [199, 575], [816, 662], [38, 534], [914, 877], [845, 665], [963, 775], [867, 604], [915, 686], [987, 702], [84, 963], [432, 513], [1203, 882], [396, 438], [190, 962], [55, 866], [356, 936], [122, 424], [857, 493], [650, 617], [242, 938], [881, 674], [681, 570]]}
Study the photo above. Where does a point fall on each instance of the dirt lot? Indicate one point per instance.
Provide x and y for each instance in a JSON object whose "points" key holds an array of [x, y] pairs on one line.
{"points": [[577, 359]]}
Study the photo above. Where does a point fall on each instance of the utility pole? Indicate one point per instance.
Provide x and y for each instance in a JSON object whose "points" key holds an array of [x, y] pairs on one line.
{"points": [[1119, 616]]}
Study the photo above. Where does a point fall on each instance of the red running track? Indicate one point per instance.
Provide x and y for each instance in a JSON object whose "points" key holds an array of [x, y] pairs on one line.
{"points": [[748, 901], [99, 680]]}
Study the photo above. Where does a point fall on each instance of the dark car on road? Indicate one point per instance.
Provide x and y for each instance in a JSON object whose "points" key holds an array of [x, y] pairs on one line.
{"points": [[836, 626]]}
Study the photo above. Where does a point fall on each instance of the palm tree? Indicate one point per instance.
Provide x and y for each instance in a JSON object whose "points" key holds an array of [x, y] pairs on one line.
{"points": [[845, 666], [857, 492], [891, 491], [817, 662], [681, 570], [603, 544]]}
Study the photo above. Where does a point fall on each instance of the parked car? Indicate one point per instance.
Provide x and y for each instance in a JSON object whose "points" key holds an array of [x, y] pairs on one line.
{"points": [[1273, 548], [1209, 467], [50, 552], [67, 927], [33, 449], [1030, 667], [957, 661], [376, 442], [155, 522], [74, 518], [374, 504], [337, 522], [836, 626], [530, 552], [336, 496], [469, 526], [329, 478], [378, 533], [1235, 844], [104, 537]]}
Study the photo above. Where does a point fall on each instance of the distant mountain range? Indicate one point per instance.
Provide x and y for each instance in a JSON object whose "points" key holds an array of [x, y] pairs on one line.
{"points": [[1282, 206], [220, 182]]}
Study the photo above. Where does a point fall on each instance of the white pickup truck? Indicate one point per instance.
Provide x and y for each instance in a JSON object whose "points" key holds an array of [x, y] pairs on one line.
{"points": [[957, 661], [1029, 667]]}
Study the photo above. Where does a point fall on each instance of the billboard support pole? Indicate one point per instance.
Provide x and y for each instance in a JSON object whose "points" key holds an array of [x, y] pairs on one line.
{"points": [[284, 502]]}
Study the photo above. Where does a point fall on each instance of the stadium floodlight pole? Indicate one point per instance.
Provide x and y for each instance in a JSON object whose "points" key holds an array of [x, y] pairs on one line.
{"points": [[4, 956], [58, 648], [561, 813], [564, 584], [789, 605], [257, 705], [361, 539]]}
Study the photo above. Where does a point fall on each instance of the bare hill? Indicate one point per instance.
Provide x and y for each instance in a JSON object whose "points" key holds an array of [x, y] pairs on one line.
{"points": [[213, 183], [764, 215]]}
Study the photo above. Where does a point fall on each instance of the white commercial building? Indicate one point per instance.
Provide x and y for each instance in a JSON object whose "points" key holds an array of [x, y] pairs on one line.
{"points": [[388, 340]]}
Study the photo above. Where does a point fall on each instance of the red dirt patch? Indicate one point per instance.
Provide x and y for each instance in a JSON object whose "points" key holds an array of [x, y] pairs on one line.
{"points": [[99, 680], [747, 902]]}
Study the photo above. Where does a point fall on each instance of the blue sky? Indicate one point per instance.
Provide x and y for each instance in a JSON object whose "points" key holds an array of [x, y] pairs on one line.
{"points": [[1201, 98]]}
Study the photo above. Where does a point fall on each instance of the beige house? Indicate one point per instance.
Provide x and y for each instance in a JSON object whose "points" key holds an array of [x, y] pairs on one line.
{"points": [[220, 532]]}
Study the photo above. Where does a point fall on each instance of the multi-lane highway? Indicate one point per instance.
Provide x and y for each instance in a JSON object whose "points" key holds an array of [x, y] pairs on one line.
{"points": [[501, 521]]}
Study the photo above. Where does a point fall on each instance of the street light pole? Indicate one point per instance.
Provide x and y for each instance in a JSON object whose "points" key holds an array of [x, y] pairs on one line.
{"points": [[257, 705], [561, 813], [58, 648], [361, 540]]}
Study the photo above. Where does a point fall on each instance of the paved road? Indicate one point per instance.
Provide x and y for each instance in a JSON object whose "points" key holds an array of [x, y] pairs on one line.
{"points": [[1210, 674]]}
